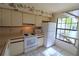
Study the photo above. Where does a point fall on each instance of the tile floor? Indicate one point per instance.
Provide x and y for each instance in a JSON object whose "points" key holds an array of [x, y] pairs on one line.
{"points": [[51, 51]]}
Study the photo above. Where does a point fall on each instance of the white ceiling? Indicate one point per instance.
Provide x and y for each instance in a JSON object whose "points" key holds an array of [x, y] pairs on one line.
{"points": [[52, 7], [55, 7]]}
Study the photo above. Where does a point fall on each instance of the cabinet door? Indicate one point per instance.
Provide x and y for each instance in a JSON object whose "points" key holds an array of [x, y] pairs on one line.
{"points": [[0, 17], [16, 48], [40, 42], [6, 53], [38, 21], [6, 17], [45, 19], [16, 18], [28, 19]]}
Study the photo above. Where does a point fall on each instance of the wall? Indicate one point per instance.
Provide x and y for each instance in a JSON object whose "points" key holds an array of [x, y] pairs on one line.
{"points": [[10, 31], [28, 29], [78, 39], [68, 47]]}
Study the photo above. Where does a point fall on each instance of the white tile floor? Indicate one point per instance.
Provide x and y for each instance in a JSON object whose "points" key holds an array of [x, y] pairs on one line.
{"points": [[51, 51]]}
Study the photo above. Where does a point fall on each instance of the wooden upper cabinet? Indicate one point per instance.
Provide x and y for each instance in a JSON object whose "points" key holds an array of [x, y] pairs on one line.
{"points": [[28, 18], [45, 19], [6, 17], [16, 18], [0, 17], [38, 21]]}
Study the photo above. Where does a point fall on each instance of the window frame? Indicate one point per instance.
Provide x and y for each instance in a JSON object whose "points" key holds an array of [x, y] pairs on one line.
{"points": [[65, 29]]}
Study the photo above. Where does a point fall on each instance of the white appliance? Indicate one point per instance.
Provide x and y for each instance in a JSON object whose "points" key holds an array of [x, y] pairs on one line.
{"points": [[30, 43], [49, 29]]}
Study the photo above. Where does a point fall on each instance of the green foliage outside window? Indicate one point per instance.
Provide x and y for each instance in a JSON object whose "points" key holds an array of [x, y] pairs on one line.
{"points": [[66, 26], [68, 21]]}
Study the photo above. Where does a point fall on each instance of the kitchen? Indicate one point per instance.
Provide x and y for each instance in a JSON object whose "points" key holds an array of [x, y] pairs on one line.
{"points": [[21, 23]]}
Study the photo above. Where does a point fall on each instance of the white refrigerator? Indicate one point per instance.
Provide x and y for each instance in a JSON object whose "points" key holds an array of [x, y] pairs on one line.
{"points": [[49, 30]]}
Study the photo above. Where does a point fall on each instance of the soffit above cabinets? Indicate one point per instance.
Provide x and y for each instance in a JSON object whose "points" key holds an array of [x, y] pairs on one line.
{"points": [[46, 9]]}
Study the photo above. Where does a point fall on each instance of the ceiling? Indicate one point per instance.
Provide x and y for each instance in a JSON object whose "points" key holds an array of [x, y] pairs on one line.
{"points": [[51, 7], [55, 7]]}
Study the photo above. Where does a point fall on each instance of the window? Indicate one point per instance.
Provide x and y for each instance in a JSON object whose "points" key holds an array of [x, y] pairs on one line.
{"points": [[66, 26]]}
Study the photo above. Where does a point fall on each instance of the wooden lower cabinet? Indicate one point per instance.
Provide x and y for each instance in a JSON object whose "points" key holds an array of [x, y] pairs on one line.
{"points": [[16, 48], [7, 52], [40, 41]]}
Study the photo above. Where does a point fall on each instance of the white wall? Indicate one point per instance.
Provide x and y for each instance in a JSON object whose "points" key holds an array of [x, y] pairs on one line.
{"points": [[78, 39], [65, 46]]}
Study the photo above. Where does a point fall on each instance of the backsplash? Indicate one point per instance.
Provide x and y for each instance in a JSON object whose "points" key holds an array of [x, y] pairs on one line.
{"points": [[16, 30], [10, 30], [38, 30], [28, 29], [19, 30]]}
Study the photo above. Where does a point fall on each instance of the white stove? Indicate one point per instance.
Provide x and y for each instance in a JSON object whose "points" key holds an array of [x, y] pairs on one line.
{"points": [[30, 43]]}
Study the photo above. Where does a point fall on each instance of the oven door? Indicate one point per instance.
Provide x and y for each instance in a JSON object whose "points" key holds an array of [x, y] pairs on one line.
{"points": [[30, 43]]}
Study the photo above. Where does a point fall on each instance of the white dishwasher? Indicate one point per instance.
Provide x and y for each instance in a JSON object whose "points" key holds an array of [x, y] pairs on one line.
{"points": [[30, 43]]}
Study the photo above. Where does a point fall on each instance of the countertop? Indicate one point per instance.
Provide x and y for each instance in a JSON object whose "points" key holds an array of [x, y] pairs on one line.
{"points": [[4, 40]]}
